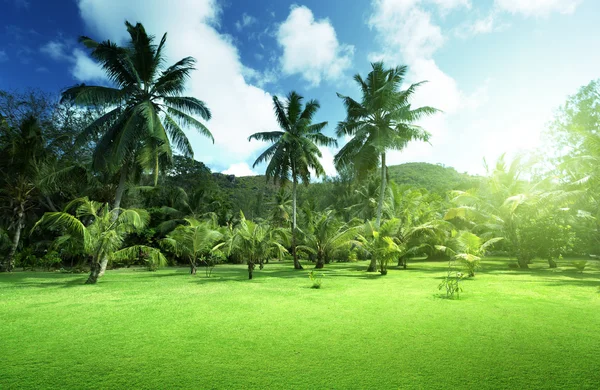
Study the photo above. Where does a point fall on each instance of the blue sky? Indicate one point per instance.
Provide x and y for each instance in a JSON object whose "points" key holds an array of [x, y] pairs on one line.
{"points": [[497, 68]]}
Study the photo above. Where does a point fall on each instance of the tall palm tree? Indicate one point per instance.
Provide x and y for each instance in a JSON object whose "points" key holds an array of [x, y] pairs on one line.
{"points": [[294, 152], [383, 120], [146, 110], [22, 149]]}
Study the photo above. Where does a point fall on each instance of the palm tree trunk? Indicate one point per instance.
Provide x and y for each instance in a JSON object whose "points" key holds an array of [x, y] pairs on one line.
{"points": [[94, 272], [320, 262], [120, 189], [552, 263], [16, 238], [156, 170], [297, 264], [373, 264], [116, 212]]}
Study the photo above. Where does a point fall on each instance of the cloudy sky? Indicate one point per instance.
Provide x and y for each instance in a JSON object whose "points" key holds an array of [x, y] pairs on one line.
{"points": [[497, 68]]}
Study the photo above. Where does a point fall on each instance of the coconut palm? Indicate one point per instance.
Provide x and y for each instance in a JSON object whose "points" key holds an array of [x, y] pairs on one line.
{"points": [[382, 121], [294, 152], [255, 243], [22, 149], [194, 241], [146, 112], [326, 236], [468, 248], [381, 242], [92, 226]]}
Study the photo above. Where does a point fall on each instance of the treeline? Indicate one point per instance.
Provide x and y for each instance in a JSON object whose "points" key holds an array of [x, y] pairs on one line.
{"points": [[105, 176]]}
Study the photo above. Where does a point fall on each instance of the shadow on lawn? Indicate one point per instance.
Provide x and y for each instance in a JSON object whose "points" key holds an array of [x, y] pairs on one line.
{"points": [[22, 280]]}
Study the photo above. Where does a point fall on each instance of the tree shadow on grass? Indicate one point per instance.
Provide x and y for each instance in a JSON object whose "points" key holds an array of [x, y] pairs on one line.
{"points": [[34, 280]]}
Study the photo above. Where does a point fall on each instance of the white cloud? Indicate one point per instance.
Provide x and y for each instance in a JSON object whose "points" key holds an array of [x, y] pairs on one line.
{"points": [[537, 7], [240, 169], [485, 25], [326, 160], [408, 35], [239, 109], [86, 69], [56, 50], [3, 56], [247, 20], [311, 48]]}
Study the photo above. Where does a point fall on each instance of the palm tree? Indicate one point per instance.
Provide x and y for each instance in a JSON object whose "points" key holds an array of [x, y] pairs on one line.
{"points": [[22, 149], [383, 120], [326, 236], [468, 248], [294, 152], [146, 112], [194, 240], [93, 228], [255, 243]]}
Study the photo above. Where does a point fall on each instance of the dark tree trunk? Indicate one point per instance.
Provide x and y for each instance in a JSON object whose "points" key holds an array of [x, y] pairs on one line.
{"points": [[8, 266], [373, 264], [297, 264], [250, 269], [320, 262], [121, 189], [94, 273], [552, 263], [523, 263], [192, 269]]}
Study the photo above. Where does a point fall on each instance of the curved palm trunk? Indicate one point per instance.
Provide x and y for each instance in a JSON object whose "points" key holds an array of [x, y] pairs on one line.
{"points": [[320, 263], [552, 263], [156, 170], [94, 272], [373, 264], [116, 208], [297, 264], [8, 266]]}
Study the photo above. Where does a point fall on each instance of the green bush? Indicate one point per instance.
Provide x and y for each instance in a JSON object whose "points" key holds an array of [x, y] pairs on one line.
{"points": [[316, 279], [50, 260]]}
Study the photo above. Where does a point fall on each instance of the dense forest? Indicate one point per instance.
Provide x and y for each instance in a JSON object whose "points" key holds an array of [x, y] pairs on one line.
{"points": [[104, 176]]}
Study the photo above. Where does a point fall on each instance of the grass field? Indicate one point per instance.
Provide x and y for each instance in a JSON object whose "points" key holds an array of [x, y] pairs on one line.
{"points": [[136, 329]]}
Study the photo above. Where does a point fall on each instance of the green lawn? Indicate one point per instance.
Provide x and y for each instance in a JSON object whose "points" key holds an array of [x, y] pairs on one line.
{"points": [[136, 329]]}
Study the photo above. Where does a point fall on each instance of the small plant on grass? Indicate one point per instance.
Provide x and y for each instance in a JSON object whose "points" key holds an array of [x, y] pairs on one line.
{"points": [[316, 279], [580, 265], [451, 283]]}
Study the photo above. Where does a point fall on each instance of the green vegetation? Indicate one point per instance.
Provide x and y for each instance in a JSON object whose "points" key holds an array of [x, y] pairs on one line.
{"points": [[510, 329], [105, 179]]}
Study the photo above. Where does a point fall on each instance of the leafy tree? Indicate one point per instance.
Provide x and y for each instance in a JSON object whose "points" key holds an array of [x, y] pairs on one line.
{"points": [[504, 204], [194, 241], [294, 152], [383, 120], [468, 248], [255, 243], [381, 242], [22, 150], [92, 226], [575, 133], [281, 209], [326, 236], [146, 110]]}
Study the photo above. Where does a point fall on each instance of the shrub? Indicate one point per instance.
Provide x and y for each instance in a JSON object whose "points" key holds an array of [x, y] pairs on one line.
{"points": [[316, 279], [580, 265], [50, 260]]}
